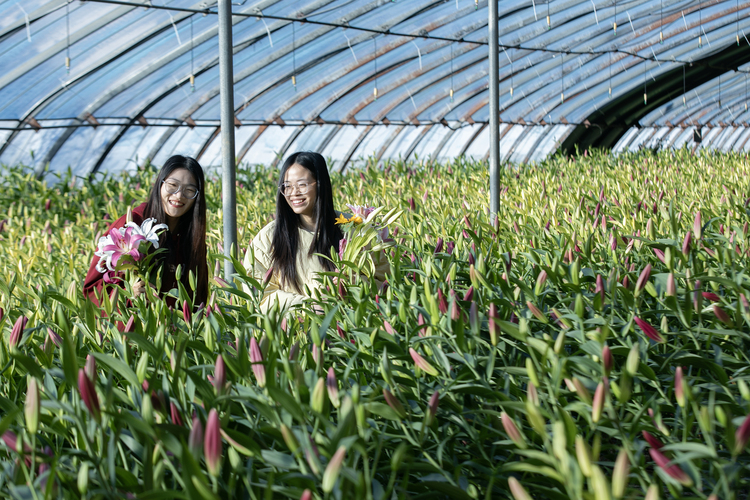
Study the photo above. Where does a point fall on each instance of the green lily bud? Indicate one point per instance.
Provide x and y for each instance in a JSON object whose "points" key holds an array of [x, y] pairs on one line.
{"points": [[83, 479], [620, 474], [583, 454], [634, 360], [317, 400], [599, 484], [531, 371], [32, 407], [398, 456]]}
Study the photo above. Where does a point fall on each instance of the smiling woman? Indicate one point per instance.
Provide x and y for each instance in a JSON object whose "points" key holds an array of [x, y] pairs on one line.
{"points": [[283, 252], [177, 199]]}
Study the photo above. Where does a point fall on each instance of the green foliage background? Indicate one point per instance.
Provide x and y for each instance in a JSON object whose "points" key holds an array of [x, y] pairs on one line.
{"points": [[560, 266]]}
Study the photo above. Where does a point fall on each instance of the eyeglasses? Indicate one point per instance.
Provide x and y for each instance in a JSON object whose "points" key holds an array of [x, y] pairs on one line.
{"points": [[174, 187], [287, 189]]}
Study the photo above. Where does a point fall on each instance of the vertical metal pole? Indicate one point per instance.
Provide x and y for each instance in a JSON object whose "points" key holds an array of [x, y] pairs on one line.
{"points": [[494, 109], [228, 166]]}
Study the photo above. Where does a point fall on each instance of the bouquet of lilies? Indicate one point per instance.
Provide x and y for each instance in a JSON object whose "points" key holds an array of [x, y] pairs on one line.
{"points": [[365, 233], [125, 248]]}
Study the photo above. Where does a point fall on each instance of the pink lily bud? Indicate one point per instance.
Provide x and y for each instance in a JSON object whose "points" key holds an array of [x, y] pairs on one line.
{"points": [[212, 445], [450, 247], [674, 471], [511, 429], [220, 375], [680, 387], [88, 394], [686, 242], [342, 290], [333, 469], [432, 407], [256, 359], [467, 222], [306, 495], [518, 491], [317, 354], [439, 246], [195, 439], [711, 296], [332, 386], [598, 405], [17, 332], [54, 337], [47, 204], [130, 326], [600, 287], [421, 322], [607, 360], [649, 330], [643, 278], [293, 353], [540, 281], [536, 312], [32, 405], [394, 403], [494, 327], [473, 316], [469, 295], [388, 328], [442, 302], [651, 440], [455, 310], [421, 363], [186, 313], [267, 276], [742, 436], [174, 412], [671, 286], [2, 313], [721, 315], [412, 205], [90, 368], [697, 226], [660, 255]]}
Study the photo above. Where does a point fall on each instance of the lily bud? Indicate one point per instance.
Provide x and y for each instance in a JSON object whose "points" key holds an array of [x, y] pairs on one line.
{"points": [[90, 368], [130, 325], [317, 399], [212, 445], [620, 474], [54, 337], [634, 360], [439, 246], [220, 375], [518, 491], [174, 412], [17, 332], [432, 407], [469, 295], [643, 278], [256, 359], [581, 390], [679, 387], [389, 328], [599, 483], [289, 438], [195, 439], [583, 454], [671, 286], [88, 394], [511, 429], [332, 386], [598, 405], [494, 327], [455, 310], [394, 403], [421, 363], [742, 436], [652, 493], [600, 287], [649, 330], [697, 226], [333, 469], [267, 277], [652, 440], [674, 471], [306, 495], [607, 360], [540, 281], [442, 302], [536, 312], [722, 316], [32, 406], [186, 313]]}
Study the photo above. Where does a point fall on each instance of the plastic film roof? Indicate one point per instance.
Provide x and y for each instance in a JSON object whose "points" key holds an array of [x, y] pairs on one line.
{"points": [[107, 85]]}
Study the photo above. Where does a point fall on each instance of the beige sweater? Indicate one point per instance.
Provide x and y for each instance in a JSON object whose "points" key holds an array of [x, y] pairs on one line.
{"points": [[307, 268]]}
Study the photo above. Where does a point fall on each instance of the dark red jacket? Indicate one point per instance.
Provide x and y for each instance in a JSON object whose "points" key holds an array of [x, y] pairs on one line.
{"points": [[94, 282]]}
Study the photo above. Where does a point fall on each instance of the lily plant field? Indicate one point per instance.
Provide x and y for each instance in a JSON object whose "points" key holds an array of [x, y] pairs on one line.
{"points": [[591, 341]]}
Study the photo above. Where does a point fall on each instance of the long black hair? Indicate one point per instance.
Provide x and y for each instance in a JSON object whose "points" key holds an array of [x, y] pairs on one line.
{"points": [[286, 234], [190, 231]]}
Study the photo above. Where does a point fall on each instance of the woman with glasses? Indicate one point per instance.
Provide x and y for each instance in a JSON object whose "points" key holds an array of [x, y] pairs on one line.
{"points": [[305, 225], [177, 199]]}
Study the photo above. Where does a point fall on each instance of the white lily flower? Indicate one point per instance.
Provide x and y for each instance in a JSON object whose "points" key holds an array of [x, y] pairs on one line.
{"points": [[105, 256], [148, 230]]}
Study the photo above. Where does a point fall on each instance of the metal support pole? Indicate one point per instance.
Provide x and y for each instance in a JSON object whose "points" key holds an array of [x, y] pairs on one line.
{"points": [[228, 165], [494, 109]]}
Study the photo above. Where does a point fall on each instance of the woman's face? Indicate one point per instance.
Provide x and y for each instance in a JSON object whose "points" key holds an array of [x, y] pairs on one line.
{"points": [[177, 204], [296, 179]]}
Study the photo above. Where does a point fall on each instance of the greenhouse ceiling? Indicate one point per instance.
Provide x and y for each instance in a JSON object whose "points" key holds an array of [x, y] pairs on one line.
{"points": [[105, 85]]}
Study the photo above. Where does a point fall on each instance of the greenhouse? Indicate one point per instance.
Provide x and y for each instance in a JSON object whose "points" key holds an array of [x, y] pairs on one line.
{"points": [[104, 85], [374, 249]]}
